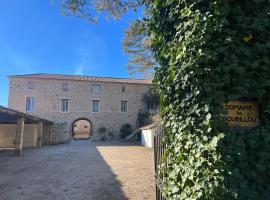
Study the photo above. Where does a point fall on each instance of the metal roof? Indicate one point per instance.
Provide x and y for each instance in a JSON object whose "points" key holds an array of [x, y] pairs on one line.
{"points": [[83, 78]]}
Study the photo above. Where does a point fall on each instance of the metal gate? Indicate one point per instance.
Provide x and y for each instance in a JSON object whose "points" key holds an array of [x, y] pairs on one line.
{"points": [[159, 150]]}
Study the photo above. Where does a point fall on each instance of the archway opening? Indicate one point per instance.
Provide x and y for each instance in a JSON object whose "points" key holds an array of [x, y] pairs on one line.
{"points": [[81, 129]]}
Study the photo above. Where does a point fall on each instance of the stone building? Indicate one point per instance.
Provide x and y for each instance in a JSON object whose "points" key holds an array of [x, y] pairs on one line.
{"points": [[95, 102]]}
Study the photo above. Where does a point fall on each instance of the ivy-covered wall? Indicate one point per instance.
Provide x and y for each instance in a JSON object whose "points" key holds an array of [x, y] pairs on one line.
{"points": [[212, 52]]}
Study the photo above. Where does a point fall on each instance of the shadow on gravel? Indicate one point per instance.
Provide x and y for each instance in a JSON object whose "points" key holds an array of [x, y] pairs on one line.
{"points": [[74, 171]]}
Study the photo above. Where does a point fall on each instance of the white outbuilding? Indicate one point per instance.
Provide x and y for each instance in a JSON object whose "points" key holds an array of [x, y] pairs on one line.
{"points": [[147, 137]]}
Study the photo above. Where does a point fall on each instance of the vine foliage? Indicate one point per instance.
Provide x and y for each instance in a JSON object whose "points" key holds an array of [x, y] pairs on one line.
{"points": [[211, 52]]}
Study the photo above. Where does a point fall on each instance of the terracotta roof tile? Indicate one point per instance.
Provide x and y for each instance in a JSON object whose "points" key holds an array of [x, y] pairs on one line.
{"points": [[83, 78]]}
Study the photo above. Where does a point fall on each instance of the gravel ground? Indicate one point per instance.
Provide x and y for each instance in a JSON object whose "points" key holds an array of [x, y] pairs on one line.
{"points": [[80, 170]]}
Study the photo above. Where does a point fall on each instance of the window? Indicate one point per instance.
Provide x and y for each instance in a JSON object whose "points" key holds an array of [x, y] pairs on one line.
{"points": [[31, 85], [95, 89], [64, 105], [150, 105], [30, 104], [123, 106], [95, 106], [65, 87], [123, 89]]}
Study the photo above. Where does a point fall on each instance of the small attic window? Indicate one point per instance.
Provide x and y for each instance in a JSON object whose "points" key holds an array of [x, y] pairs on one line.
{"points": [[31, 85], [65, 87], [123, 89]]}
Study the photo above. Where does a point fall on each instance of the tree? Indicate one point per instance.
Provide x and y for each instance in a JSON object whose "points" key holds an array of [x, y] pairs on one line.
{"points": [[137, 44], [88, 9]]}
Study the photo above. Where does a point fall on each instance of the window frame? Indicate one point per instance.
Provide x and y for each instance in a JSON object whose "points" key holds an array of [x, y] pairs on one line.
{"points": [[92, 104], [126, 107], [65, 87], [61, 105], [91, 89], [26, 104], [125, 89], [31, 85]]}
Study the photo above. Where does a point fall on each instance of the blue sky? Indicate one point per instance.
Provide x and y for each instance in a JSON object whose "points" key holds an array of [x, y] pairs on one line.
{"points": [[36, 38]]}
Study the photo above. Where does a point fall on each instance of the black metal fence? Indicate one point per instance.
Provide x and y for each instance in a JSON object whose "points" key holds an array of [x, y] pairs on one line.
{"points": [[159, 150]]}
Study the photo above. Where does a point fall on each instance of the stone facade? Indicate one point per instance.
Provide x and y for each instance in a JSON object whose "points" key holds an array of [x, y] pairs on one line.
{"points": [[48, 94]]}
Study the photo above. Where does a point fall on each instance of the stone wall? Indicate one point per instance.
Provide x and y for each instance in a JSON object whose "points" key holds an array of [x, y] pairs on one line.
{"points": [[48, 95], [46, 134]]}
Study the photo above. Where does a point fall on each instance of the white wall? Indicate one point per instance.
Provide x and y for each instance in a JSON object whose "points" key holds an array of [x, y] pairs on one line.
{"points": [[8, 135], [147, 138]]}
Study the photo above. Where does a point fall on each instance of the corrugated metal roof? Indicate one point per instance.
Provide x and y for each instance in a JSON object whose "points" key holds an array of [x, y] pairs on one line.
{"points": [[83, 78]]}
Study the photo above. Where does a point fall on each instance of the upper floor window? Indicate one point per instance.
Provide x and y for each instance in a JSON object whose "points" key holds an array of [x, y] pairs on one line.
{"points": [[124, 106], [95, 89], [30, 104], [31, 85], [95, 106], [123, 89], [64, 105], [65, 87]]}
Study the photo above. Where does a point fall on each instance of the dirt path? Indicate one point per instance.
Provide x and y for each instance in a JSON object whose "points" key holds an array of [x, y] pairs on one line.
{"points": [[78, 171]]}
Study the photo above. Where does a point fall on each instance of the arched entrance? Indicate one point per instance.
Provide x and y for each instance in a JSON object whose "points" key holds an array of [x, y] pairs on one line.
{"points": [[81, 129]]}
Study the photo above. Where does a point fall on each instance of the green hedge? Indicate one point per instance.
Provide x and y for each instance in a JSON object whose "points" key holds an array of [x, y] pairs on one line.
{"points": [[212, 52]]}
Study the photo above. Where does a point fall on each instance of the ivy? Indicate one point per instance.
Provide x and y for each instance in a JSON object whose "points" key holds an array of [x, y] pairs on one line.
{"points": [[211, 52]]}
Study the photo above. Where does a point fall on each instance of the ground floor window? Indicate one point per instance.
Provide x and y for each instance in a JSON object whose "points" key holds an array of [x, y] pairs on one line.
{"points": [[123, 106]]}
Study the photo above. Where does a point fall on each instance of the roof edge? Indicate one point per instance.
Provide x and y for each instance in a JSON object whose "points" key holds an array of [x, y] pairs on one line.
{"points": [[23, 115], [36, 76]]}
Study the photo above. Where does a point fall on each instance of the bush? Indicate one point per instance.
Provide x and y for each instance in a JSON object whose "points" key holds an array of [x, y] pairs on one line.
{"points": [[111, 135], [125, 130], [103, 138], [102, 129]]}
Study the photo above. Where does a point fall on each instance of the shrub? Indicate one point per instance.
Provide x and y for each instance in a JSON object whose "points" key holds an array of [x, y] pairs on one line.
{"points": [[102, 129], [111, 135], [125, 130], [103, 138]]}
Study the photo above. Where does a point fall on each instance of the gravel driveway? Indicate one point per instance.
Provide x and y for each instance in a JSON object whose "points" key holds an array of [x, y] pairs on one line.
{"points": [[80, 170]]}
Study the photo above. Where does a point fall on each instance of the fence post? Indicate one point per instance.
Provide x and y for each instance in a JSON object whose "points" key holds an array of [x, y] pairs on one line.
{"points": [[159, 150]]}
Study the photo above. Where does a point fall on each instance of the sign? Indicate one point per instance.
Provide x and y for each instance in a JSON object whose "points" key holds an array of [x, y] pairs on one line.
{"points": [[243, 114]]}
